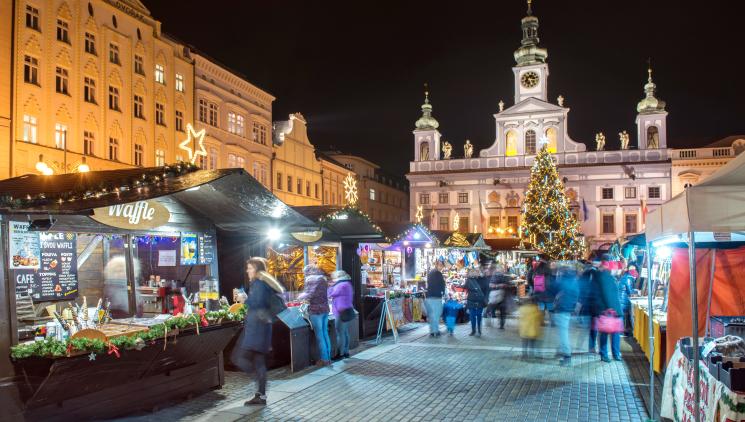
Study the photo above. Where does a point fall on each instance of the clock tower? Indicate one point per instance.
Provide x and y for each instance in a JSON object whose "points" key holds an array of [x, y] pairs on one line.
{"points": [[531, 70]]}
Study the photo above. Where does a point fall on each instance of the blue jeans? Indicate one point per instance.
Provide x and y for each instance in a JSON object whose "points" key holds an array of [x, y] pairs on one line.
{"points": [[342, 336], [320, 324], [434, 311], [562, 322], [450, 323], [615, 344], [475, 315]]}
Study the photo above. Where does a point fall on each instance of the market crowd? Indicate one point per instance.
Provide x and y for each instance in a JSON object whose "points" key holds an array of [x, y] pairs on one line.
{"points": [[593, 294]]}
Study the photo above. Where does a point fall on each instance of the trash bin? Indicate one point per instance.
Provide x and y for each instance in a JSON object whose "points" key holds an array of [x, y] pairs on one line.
{"points": [[290, 340]]}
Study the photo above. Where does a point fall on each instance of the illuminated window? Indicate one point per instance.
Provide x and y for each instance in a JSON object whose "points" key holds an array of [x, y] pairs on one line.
{"points": [[160, 74], [551, 136], [512, 222], [179, 82], [213, 158], [372, 194], [160, 157], [236, 124], [212, 114], [30, 128], [60, 136], [511, 143]]}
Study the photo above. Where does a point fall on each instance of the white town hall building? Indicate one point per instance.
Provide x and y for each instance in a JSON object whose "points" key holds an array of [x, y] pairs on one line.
{"points": [[609, 190]]}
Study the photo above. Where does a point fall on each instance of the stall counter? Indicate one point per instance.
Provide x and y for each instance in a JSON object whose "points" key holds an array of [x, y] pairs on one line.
{"points": [[641, 331]]}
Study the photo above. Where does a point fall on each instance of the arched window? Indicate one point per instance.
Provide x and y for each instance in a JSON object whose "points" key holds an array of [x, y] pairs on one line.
{"points": [[551, 136], [530, 142], [653, 137], [511, 143]]}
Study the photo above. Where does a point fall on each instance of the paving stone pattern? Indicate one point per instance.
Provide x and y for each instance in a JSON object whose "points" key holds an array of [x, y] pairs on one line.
{"points": [[437, 379]]}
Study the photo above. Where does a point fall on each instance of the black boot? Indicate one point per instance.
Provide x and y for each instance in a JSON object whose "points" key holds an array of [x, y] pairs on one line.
{"points": [[258, 399]]}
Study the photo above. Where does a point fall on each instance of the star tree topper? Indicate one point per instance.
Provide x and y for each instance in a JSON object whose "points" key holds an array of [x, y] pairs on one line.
{"points": [[197, 140], [350, 189]]}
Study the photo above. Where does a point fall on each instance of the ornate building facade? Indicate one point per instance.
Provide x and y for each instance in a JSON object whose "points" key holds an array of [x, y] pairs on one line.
{"points": [[694, 165], [237, 118], [296, 169], [94, 84], [610, 191]]}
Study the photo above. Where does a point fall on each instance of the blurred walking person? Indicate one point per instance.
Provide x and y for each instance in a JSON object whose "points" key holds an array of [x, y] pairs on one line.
{"points": [[625, 289], [316, 293], [566, 292], [500, 295], [475, 300], [450, 313], [531, 325], [590, 303], [610, 303], [433, 302], [255, 341]]}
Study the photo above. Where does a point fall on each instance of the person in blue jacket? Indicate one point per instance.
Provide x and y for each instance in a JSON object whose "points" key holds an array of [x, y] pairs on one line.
{"points": [[608, 289], [625, 288]]}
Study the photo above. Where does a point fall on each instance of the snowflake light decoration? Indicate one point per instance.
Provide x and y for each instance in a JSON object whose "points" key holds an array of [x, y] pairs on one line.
{"points": [[350, 189]]}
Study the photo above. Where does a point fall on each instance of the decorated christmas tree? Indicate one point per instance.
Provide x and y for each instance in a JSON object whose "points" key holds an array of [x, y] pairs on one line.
{"points": [[547, 220]]}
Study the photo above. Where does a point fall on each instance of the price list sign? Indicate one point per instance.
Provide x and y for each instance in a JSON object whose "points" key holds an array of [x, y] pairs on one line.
{"points": [[58, 276], [206, 248]]}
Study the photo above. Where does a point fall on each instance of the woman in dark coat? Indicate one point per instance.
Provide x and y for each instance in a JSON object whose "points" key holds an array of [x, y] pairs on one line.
{"points": [[256, 340], [475, 301]]}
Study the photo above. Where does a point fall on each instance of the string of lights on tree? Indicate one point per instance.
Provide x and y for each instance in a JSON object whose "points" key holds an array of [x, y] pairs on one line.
{"points": [[151, 178], [547, 221]]}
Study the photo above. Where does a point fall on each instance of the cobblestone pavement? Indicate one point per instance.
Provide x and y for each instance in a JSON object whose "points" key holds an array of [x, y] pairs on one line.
{"points": [[436, 379]]}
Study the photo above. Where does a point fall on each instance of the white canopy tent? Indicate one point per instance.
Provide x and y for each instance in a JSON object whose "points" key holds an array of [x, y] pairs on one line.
{"points": [[717, 205]]}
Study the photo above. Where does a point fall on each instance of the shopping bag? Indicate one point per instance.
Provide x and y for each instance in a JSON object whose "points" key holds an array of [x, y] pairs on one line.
{"points": [[609, 322]]}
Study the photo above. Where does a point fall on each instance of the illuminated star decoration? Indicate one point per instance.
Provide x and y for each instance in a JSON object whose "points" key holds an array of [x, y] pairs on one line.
{"points": [[196, 138], [92, 357], [350, 189], [419, 214]]}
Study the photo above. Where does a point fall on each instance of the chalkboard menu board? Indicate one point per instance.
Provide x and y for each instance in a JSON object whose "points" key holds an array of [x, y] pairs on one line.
{"points": [[206, 248], [57, 275]]}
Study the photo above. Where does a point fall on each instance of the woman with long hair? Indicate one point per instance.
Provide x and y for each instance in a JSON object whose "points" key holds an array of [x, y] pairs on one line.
{"points": [[256, 340]]}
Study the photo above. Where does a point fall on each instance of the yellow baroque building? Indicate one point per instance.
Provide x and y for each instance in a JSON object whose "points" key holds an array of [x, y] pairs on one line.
{"points": [[92, 82], [296, 169]]}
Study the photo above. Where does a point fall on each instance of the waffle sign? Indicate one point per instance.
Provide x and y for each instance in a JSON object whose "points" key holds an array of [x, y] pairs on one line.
{"points": [[133, 216]]}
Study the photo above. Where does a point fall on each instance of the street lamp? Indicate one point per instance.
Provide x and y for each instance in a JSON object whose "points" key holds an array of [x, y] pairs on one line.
{"points": [[83, 167]]}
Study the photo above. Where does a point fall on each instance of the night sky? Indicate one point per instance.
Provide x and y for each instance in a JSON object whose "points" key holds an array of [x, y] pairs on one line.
{"points": [[355, 69]]}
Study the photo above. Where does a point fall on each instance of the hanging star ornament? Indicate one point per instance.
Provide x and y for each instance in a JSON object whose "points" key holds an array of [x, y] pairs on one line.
{"points": [[350, 189], [419, 214], [92, 357], [194, 138]]}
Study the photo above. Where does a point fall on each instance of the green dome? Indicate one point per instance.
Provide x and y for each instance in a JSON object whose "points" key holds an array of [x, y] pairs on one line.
{"points": [[426, 122]]}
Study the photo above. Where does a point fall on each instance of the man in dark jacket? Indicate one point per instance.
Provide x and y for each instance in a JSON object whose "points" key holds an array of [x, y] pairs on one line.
{"points": [[566, 293], [608, 289], [435, 292]]}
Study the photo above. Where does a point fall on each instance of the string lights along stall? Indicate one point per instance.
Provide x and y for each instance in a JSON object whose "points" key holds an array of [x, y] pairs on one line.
{"points": [[703, 229], [111, 291]]}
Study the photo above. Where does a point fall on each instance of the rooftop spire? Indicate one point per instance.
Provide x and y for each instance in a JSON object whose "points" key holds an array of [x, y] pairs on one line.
{"points": [[650, 104], [426, 122], [529, 53]]}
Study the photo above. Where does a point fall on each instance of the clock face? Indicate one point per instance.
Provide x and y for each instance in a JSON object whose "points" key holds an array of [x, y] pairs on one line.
{"points": [[529, 79]]}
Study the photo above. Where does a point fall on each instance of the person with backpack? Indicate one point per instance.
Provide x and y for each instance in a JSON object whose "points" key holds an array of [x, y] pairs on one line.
{"points": [[475, 300], [255, 342], [316, 293], [499, 295], [341, 294], [540, 281]]}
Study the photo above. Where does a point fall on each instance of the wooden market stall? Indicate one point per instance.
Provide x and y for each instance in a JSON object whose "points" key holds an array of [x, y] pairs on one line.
{"points": [[145, 242]]}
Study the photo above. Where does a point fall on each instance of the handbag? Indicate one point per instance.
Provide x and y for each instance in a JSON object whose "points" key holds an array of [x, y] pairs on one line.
{"points": [[347, 315], [496, 296], [609, 322]]}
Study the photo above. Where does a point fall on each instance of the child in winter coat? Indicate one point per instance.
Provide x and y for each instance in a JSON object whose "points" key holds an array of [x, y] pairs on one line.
{"points": [[450, 313], [531, 321]]}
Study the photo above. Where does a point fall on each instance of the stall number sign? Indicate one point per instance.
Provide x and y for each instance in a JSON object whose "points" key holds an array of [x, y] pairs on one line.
{"points": [[134, 215], [57, 275]]}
